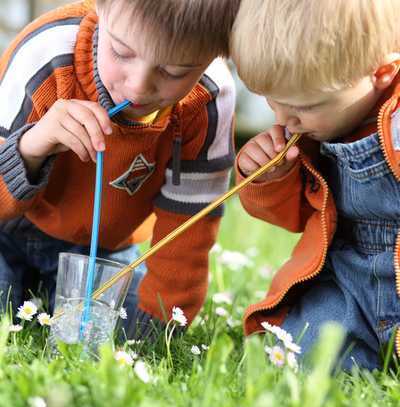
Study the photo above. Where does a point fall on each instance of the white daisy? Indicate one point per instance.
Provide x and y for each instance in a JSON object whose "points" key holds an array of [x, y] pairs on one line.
{"points": [[282, 335], [142, 371], [234, 260], [179, 316], [195, 350], [36, 402], [292, 347], [292, 361], [123, 358], [133, 342], [221, 312], [27, 310], [225, 297], [122, 313], [216, 248], [44, 319], [277, 356], [268, 327], [15, 328]]}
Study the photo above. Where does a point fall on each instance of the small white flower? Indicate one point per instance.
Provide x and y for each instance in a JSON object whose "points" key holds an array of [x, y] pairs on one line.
{"points": [[216, 248], [277, 356], [219, 298], [195, 350], [122, 313], [123, 358], [268, 327], [142, 371], [44, 319], [221, 312], [27, 310], [15, 328], [266, 272], [232, 322], [268, 350], [204, 347], [292, 361], [282, 335], [292, 347], [36, 402], [234, 260], [133, 342], [179, 316]]}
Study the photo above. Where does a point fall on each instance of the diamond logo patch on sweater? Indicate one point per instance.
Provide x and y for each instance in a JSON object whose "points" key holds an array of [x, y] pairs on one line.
{"points": [[137, 174]]}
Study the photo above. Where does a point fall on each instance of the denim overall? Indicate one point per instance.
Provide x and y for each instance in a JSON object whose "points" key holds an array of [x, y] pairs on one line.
{"points": [[24, 249], [357, 285]]}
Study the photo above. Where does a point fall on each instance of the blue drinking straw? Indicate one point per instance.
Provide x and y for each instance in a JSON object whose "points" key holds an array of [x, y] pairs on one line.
{"points": [[95, 226]]}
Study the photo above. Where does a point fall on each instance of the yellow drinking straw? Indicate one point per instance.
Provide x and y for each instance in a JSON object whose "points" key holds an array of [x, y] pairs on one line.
{"points": [[180, 229]]}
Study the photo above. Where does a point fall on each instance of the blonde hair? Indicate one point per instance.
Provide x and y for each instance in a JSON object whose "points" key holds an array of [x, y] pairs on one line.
{"points": [[182, 27], [312, 44]]}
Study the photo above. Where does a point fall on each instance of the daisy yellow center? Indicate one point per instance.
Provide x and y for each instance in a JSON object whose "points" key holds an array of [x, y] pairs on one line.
{"points": [[279, 356], [28, 309]]}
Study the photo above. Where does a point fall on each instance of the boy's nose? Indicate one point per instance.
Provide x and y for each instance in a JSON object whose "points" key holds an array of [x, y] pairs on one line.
{"points": [[140, 82], [285, 118]]}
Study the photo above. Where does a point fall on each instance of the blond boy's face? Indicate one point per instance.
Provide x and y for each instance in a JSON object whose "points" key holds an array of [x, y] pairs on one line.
{"points": [[129, 71], [327, 115]]}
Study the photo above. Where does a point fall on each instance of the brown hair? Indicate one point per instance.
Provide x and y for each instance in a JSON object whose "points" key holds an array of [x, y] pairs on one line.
{"points": [[182, 27]]}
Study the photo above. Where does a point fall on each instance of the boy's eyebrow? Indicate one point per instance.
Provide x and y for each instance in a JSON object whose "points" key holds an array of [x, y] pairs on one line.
{"points": [[308, 106], [127, 46], [119, 40]]}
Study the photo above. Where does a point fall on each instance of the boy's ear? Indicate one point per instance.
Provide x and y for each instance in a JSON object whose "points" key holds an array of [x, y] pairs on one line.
{"points": [[384, 75]]}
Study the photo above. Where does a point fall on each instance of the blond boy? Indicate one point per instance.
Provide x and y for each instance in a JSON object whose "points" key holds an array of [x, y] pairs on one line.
{"points": [[329, 70]]}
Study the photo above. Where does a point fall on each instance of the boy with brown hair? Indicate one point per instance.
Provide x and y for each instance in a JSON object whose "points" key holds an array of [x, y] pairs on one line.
{"points": [[166, 156], [330, 71]]}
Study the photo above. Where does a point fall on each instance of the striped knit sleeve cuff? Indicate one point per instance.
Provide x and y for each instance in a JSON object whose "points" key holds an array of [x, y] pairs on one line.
{"points": [[13, 171]]}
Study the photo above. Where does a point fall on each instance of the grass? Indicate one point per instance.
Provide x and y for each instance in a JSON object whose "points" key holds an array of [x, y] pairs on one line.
{"points": [[231, 372]]}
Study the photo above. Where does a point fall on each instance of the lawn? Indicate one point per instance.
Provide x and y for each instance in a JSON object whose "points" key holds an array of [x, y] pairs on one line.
{"points": [[210, 365]]}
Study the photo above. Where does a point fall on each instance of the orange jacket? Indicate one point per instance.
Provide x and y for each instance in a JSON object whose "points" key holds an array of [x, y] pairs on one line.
{"points": [[301, 201]]}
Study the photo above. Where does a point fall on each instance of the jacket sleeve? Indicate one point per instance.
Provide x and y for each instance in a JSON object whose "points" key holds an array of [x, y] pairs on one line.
{"points": [[28, 86], [178, 273], [280, 202]]}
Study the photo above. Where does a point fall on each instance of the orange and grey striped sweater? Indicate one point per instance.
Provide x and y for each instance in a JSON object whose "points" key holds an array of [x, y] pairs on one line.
{"points": [[55, 57]]}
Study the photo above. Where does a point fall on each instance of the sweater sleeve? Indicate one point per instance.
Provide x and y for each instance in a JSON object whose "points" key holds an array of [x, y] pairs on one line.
{"points": [[280, 202], [28, 83], [178, 273]]}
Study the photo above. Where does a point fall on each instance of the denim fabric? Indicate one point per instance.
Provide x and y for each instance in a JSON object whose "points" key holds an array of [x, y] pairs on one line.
{"points": [[357, 286], [25, 250]]}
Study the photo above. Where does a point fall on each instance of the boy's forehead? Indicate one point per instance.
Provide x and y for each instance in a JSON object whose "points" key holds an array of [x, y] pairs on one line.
{"points": [[299, 98], [150, 43]]}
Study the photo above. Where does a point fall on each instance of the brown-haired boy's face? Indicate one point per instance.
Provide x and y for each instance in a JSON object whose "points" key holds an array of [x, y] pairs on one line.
{"points": [[129, 70]]}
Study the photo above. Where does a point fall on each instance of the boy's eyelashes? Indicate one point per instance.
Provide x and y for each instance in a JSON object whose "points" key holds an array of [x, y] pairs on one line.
{"points": [[170, 75], [163, 71]]}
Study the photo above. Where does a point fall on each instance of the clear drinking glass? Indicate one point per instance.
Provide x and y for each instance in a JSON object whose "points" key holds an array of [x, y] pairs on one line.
{"points": [[69, 300]]}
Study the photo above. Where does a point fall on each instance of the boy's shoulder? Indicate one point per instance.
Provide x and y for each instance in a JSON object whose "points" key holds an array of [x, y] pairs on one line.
{"points": [[215, 87], [53, 33]]}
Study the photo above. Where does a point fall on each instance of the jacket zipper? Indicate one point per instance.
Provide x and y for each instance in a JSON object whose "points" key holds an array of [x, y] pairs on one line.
{"points": [[324, 234], [383, 113]]}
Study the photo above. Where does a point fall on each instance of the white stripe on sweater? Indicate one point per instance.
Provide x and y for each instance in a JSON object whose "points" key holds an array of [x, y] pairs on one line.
{"points": [[29, 59], [225, 102]]}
